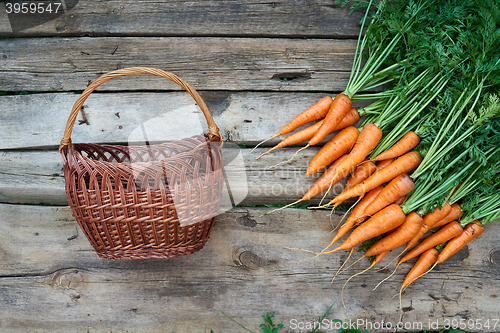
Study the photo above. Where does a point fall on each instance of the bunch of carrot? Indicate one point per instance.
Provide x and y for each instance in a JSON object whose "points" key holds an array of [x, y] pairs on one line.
{"points": [[425, 156]]}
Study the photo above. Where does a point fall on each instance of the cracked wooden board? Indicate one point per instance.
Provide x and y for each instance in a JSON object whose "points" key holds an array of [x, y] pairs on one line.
{"points": [[319, 18], [207, 63], [37, 177], [51, 280]]}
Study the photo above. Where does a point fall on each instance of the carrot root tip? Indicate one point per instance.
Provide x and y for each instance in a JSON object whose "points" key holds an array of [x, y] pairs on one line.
{"points": [[345, 262], [277, 209], [386, 278], [274, 166], [274, 136], [265, 153], [299, 249]]}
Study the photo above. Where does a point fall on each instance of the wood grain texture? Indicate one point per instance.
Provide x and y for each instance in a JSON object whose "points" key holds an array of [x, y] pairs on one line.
{"points": [[51, 280], [38, 120], [62, 64], [37, 177], [297, 18]]}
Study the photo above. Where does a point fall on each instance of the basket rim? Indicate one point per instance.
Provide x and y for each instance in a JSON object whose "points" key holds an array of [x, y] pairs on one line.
{"points": [[175, 157]]}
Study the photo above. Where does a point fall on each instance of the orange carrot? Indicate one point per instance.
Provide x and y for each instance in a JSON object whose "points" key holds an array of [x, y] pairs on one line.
{"points": [[357, 216], [295, 138], [378, 167], [316, 111], [384, 163], [373, 193], [362, 172], [340, 106], [368, 138], [423, 263], [322, 183], [401, 235], [404, 164], [339, 145], [454, 214], [350, 119], [471, 231], [446, 233], [386, 220], [416, 217], [379, 257], [420, 268], [436, 215], [398, 187], [429, 220], [400, 200], [409, 141]]}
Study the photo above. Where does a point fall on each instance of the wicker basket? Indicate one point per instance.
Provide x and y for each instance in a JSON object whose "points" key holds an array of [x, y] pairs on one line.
{"points": [[135, 202]]}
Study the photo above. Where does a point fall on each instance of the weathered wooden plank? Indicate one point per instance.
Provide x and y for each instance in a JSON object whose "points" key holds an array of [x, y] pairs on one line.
{"points": [[52, 281], [298, 18], [61, 64], [37, 177], [243, 117], [32, 177]]}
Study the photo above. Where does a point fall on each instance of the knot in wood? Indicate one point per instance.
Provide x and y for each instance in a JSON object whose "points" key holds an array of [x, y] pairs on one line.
{"points": [[495, 258], [250, 260], [67, 279], [247, 259]]}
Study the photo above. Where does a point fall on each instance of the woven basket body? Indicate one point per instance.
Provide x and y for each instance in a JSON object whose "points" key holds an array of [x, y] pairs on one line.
{"points": [[135, 202]]}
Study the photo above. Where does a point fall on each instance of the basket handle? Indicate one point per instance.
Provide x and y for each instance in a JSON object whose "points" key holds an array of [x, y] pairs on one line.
{"points": [[213, 130]]}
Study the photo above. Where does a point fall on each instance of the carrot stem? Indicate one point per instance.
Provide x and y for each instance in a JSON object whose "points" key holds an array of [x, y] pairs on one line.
{"points": [[450, 131], [409, 110]]}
